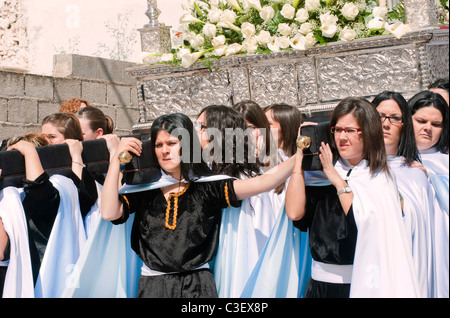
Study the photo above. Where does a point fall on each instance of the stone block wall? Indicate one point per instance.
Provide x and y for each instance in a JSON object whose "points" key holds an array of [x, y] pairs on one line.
{"points": [[25, 99]]}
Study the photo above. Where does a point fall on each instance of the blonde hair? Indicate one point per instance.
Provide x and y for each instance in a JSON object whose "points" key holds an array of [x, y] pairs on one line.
{"points": [[36, 138]]}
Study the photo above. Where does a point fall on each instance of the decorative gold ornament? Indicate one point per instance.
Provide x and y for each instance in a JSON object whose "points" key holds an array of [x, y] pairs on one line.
{"points": [[175, 208], [303, 142], [125, 157]]}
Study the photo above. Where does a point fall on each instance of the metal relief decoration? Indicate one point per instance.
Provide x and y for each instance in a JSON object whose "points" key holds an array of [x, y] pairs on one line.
{"points": [[271, 84], [313, 80], [307, 82], [421, 13], [239, 79], [187, 93], [368, 73]]}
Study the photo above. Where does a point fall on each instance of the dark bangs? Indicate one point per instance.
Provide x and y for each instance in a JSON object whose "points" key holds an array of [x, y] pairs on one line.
{"points": [[181, 126]]}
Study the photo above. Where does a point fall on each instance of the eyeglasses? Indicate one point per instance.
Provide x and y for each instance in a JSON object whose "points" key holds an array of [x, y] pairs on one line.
{"points": [[198, 125], [348, 130], [392, 119]]}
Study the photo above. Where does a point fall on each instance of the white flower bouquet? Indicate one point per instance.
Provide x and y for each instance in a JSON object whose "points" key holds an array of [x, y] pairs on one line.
{"points": [[217, 28]]}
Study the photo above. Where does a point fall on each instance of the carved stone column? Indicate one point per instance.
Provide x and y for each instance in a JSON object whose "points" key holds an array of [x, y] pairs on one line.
{"points": [[155, 36], [421, 13]]}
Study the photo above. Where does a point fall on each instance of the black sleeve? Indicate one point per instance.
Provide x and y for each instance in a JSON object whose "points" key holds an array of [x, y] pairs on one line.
{"points": [[41, 202], [131, 203], [222, 194], [87, 191]]}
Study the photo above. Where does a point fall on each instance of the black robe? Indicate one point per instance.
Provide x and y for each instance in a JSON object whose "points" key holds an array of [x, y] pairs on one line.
{"points": [[332, 236]]}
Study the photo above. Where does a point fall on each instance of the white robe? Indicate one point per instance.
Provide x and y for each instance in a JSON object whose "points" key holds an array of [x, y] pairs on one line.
{"points": [[437, 165], [19, 276], [383, 264], [418, 210], [278, 199], [65, 243]]}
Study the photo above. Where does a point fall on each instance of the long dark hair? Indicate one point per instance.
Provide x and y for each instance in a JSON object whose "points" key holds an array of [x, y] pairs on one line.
{"points": [[430, 99], [221, 118], [181, 126], [372, 132], [290, 118], [253, 113], [407, 145]]}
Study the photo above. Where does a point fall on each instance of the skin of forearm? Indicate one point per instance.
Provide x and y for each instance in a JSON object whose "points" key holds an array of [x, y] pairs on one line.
{"points": [[111, 208], [295, 192], [249, 187]]}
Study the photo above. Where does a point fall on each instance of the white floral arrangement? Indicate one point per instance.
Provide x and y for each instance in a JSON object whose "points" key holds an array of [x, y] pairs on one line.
{"points": [[217, 28], [442, 11]]}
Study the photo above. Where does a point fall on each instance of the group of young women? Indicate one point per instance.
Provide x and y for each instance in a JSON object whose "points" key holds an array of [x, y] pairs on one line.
{"points": [[372, 223]]}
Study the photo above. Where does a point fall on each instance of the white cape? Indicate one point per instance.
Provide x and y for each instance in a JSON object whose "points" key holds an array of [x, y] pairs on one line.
{"points": [[418, 212], [66, 241], [19, 276], [437, 165], [383, 264]]}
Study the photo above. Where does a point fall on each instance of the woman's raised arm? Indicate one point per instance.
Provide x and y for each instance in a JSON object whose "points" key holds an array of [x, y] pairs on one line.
{"points": [[246, 188], [111, 207]]}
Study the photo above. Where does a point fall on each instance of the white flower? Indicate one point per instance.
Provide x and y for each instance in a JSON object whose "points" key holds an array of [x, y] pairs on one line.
{"points": [[188, 18], [263, 37], [310, 40], [182, 52], [248, 29], [312, 5], [302, 15], [329, 30], [196, 41], [298, 42], [273, 44], [328, 18], [233, 49], [288, 11], [248, 4], [375, 23], [350, 11], [214, 15], [209, 30], [305, 28], [218, 40], [228, 16], [267, 13], [284, 29], [347, 34], [250, 45], [234, 4], [191, 58], [283, 42], [397, 29], [379, 12], [228, 25], [220, 50]]}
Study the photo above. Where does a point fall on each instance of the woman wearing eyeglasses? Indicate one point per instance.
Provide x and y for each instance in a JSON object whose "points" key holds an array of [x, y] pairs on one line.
{"points": [[357, 238], [413, 185], [431, 123]]}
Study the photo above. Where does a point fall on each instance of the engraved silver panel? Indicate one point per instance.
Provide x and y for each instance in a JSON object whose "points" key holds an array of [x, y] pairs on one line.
{"points": [[271, 84], [313, 80], [366, 73], [187, 93]]}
